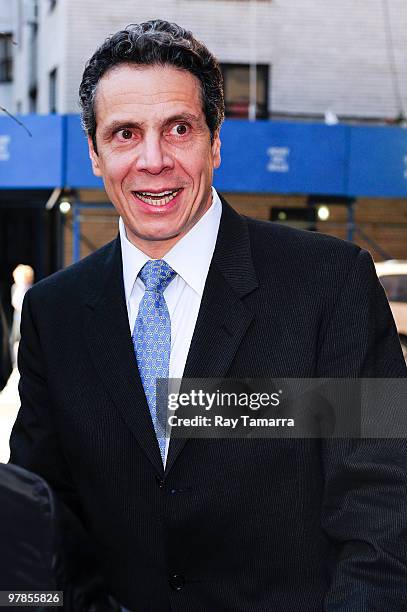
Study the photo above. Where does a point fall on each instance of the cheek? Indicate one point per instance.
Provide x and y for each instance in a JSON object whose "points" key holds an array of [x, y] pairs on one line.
{"points": [[116, 168], [198, 167]]}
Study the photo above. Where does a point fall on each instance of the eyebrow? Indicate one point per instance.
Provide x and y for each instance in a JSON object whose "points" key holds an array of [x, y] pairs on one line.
{"points": [[182, 117], [117, 125]]}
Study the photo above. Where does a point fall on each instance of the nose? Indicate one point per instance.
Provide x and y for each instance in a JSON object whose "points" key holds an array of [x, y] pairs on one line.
{"points": [[152, 155]]}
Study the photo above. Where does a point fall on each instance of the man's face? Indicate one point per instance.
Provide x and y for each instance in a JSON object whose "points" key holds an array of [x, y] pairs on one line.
{"points": [[154, 152]]}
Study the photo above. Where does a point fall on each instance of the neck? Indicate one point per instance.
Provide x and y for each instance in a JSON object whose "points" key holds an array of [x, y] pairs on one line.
{"points": [[154, 249]]}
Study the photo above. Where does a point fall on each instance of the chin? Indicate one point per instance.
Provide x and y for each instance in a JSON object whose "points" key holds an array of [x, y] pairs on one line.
{"points": [[155, 236], [158, 237]]}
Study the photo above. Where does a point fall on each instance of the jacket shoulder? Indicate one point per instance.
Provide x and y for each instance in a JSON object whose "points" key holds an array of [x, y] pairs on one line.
{"points": [[301, 250], [74, 279]]}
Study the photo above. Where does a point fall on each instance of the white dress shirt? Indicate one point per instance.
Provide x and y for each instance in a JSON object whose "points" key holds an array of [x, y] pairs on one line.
{"points": [[190, 258]]}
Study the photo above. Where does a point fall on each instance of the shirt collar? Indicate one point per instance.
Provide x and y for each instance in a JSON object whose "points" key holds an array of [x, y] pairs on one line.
{"points": [[190, 257]]}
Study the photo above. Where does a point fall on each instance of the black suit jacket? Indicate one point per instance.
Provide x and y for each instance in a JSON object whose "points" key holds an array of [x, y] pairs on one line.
{"points": [[231, 525]]}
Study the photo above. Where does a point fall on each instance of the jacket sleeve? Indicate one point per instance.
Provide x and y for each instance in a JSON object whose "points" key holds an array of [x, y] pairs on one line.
{"points": [[34, 443], [35, 446], [364, 511]]}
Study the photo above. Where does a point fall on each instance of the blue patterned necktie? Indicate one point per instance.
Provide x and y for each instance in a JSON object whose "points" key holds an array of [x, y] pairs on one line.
{"points": [[152, 339]]}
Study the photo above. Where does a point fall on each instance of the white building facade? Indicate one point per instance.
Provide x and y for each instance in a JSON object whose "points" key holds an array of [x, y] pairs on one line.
{"points": [[314, 56], [6, 53]]}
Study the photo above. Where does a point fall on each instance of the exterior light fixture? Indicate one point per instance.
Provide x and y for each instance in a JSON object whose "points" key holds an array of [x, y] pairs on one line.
{"points": [[323, 213], [64, 206]]}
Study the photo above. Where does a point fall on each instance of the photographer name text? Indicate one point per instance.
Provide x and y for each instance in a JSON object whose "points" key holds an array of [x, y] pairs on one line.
{"points": [[220, 421]]}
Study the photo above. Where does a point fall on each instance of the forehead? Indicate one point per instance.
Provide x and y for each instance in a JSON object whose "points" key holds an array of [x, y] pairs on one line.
{"points": [[148, 91]]}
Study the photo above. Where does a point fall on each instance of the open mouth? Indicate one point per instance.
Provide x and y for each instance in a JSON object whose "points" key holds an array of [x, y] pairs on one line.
{"points": [[157, 199]]}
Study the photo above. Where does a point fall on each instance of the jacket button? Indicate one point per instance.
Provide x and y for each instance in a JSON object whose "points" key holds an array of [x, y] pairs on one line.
{"points": [[159, 482], [177, 582]]}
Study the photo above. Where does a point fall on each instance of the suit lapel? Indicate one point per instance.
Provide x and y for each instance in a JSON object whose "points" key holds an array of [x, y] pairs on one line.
{"points": [[111, 348], [223, 318], [222, 322]]}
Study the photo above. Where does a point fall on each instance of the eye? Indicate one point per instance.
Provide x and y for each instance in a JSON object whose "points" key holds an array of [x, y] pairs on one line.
{"points": [[180, 129], [126, 134]]}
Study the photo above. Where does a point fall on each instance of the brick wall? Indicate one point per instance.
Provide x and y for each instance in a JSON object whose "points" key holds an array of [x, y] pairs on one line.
{"points": [[323, 54], [332, 55], [371, 215]]}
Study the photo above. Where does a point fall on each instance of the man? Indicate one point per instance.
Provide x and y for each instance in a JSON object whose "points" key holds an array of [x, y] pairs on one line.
{"points": [[233, 525]]}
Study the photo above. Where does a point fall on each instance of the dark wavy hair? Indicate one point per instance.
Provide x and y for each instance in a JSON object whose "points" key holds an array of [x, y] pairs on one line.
{"points": [[154, 42]]}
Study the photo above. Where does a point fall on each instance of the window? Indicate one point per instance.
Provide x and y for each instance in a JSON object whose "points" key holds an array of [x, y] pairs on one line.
{"points": [[52, 4], [302, 218], [236, 78], [53, 91], [32, 99], [6, 58]]}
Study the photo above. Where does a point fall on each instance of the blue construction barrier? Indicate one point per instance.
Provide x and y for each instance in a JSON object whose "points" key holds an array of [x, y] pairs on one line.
{"points": [[78, 169], [257, 157], [378, 162], [282, 157], [31, 157]]}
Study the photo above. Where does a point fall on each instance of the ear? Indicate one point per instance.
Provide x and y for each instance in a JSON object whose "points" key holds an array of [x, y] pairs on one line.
{"points": [[94, 158], [216, 144]]}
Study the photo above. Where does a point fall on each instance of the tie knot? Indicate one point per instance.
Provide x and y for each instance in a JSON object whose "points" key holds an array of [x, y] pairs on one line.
{"points": [[156, 275]]}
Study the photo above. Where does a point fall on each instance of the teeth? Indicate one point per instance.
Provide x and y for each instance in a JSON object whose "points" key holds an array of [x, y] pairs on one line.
{"points": [[162, 194], [157, 199]]}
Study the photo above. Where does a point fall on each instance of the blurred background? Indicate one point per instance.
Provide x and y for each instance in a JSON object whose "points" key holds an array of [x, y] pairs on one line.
{"points": [[315, 134]]}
